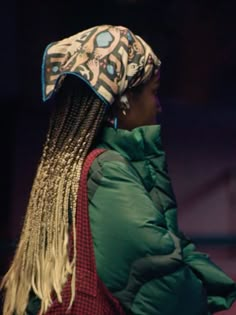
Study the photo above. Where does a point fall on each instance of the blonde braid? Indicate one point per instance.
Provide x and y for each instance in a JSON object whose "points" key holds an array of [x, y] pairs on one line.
{"points": [[41, 263]]}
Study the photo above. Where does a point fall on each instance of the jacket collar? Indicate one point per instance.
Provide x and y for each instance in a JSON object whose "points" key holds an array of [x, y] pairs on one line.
{"points": [[138, 144]]}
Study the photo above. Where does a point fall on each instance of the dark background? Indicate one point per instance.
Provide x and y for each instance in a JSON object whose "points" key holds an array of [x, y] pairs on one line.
{"points": [[195, 40]]}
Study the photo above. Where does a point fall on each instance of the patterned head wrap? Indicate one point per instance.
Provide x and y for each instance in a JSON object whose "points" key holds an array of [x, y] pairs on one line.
{"points": [[109, 58]]}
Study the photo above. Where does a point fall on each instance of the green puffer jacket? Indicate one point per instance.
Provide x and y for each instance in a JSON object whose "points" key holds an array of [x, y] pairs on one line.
{"points": [[141, 255]]}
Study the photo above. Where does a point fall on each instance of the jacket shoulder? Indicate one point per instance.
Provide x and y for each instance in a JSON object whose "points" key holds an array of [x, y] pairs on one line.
{"points": [[108, 159]]}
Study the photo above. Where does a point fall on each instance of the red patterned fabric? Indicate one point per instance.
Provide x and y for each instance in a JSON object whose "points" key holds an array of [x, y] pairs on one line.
{"points": [[91, 297]]}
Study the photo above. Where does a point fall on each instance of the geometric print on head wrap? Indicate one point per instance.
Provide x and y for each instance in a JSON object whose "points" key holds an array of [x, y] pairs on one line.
{"points": [[108, 58]]}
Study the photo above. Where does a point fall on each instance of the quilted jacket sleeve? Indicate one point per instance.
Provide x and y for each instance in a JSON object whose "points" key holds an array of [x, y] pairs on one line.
{"points": [[150, 269]]}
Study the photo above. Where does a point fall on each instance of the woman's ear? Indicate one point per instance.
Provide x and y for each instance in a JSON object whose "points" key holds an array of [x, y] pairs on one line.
{"points": [[124, 101], [124, 104], [129, 95]]}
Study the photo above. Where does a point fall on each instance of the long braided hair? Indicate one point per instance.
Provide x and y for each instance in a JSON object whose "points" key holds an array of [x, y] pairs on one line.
{"points": [[41, 263]]}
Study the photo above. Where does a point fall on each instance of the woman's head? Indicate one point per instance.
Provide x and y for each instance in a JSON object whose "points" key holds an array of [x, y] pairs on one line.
{"points": [[114, 62]]}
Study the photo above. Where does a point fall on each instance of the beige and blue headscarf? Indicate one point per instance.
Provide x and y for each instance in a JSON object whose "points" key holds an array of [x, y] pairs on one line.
{"points": [[109, 58]]}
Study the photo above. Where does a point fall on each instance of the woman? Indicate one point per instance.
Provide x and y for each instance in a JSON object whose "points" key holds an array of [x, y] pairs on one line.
{"points": [[110, 102]]}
